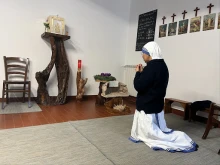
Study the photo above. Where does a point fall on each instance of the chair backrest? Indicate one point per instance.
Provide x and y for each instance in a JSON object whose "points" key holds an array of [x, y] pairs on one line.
{"points": [[16, 66]]}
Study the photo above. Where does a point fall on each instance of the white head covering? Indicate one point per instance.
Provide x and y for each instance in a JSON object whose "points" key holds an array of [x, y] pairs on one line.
{"points": [[152, 49]]}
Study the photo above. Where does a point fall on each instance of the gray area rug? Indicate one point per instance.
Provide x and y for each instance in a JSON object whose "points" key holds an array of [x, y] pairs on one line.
{"points": [[101, 141], [110, 135], [19, 107], [55, 144]]}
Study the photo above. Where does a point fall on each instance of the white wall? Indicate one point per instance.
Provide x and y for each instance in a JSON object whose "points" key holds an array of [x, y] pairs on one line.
{"points": [[98, 30], [193, 59]]}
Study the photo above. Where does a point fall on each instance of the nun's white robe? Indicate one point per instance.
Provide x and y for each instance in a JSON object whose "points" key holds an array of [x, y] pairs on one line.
{"points": [[152, 130]]}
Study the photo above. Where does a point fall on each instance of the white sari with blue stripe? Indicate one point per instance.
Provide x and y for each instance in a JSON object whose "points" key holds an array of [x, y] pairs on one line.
{"points": [[152, 130]]}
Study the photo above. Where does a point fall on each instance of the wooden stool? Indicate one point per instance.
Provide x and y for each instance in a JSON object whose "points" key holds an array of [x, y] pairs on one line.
{"points": [[184, 104]]}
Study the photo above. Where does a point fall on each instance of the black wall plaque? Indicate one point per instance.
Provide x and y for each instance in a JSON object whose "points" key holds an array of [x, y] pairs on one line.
{"points": [[146, 29]]}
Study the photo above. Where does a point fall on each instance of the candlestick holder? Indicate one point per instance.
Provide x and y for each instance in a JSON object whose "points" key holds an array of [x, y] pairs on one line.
{"points": [[80, 85]]}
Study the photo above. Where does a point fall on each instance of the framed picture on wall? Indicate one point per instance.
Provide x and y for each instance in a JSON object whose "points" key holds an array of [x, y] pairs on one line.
{"points": [[163, 31], [209, 22], [195, 24], [218, 20], [183, 26], [172, 29]]}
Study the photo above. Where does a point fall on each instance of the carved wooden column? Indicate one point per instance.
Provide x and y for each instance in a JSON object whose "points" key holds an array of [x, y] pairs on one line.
{"points": [[59, 59]]}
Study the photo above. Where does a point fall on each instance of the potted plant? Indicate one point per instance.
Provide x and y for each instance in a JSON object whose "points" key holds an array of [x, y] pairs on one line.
{"points": [[104, 77], [47, 26]]}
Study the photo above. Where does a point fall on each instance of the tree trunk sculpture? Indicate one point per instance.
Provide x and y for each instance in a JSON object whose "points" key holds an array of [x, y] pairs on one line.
{"points": [[58, 58], [62, 67]]}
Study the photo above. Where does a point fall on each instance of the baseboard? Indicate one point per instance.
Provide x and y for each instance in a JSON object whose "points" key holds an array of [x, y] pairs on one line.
{"points": [[20, 99]]}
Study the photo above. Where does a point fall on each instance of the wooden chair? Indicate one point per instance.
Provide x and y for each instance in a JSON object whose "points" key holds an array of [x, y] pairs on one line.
{"points": [[16, 67], [212, 119]]}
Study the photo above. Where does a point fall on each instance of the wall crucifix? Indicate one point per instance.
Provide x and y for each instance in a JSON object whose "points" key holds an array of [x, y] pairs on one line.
{"points": [[184, 14], [196, 10], [163, 19], [210, 7], [174, 15]]}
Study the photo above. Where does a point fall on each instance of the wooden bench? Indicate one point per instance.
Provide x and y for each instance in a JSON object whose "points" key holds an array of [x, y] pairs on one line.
{"points": [[185, 105]]}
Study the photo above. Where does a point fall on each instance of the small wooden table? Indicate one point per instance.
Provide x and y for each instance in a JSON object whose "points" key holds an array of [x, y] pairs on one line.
{"points": [[184, 104]]}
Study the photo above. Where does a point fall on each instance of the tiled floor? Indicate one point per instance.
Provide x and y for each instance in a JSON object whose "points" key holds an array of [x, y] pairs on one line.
{"points": [[55, 114]]}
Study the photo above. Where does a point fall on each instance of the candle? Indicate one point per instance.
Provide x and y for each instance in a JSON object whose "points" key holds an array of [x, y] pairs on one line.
{"points": [[79, 64]]}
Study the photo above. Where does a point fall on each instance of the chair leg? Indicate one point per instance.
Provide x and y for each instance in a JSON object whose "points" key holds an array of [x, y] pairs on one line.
{"points": [[208, 128], [219, 152], [29, 94], [209, 124], [3, 95], [7, 94], [24, 93]]}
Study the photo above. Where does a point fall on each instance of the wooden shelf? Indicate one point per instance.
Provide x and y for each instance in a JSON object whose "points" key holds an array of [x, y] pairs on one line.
{"points": [[48, 35]]}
